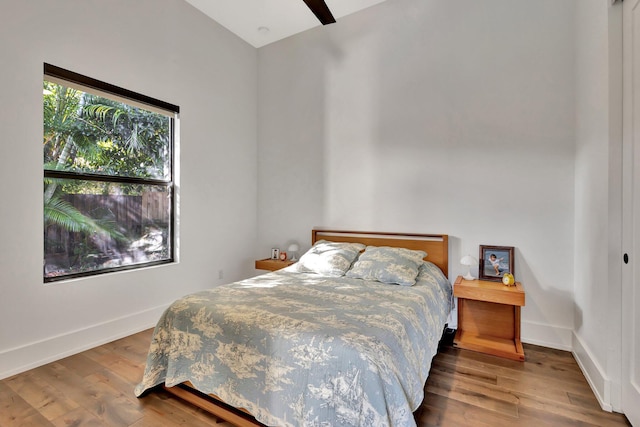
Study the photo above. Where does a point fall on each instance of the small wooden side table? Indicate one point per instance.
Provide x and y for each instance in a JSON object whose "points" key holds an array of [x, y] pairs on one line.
{"points": [[272, 264], [489, 317]]}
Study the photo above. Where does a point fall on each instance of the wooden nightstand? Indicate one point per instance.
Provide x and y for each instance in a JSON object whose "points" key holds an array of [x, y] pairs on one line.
{"points": [[489, 317], [272, 264]]}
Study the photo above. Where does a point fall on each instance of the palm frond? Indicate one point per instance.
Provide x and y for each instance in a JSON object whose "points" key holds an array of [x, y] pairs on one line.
{"points": [[62, 213], [98, 111]]}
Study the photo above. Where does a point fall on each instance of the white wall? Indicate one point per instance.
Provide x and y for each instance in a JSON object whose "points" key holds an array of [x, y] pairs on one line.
{"points": [[161, 48], [431, 116], [596, 342]]}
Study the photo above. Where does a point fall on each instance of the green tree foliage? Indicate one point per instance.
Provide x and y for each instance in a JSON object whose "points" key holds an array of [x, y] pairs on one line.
{"points": [[92, 134], [97, 136]]}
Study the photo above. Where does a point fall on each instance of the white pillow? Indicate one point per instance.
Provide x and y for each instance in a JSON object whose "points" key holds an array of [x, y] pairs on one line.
{"points": [[327, 258]]}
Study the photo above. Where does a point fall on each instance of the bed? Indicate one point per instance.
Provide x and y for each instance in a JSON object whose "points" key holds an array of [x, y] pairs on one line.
{"points": [[343, 337]]}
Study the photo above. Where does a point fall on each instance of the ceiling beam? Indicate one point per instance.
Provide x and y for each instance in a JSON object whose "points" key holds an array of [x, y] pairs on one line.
{"points": [[321, 10]]}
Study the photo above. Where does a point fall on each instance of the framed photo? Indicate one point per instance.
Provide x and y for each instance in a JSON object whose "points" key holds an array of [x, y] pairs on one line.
{"points": [[275, 253], [495, 261]]}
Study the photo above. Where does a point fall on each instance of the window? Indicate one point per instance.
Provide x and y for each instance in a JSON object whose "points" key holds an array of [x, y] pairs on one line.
{"points": [[108, 177]]}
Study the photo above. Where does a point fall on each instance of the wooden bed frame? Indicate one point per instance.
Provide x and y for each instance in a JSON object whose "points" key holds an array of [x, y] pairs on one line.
{"points": [[435, 245]]}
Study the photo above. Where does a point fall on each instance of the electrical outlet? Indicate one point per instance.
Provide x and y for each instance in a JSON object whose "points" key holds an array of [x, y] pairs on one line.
{"points": [[220, 274]]}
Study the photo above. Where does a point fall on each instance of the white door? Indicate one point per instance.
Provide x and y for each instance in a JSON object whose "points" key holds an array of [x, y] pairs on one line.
{"points": [[631, 213]]}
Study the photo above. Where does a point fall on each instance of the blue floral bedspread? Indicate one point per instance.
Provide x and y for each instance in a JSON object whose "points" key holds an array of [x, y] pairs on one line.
{"points": [[298, 349]]}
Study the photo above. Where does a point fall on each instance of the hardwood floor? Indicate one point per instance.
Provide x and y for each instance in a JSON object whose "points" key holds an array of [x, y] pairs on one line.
{"points": [[466, 388], [95, 388]]}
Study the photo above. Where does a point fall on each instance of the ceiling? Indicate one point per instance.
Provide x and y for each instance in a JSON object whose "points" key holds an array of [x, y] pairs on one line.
{"points": [[260, 22]]}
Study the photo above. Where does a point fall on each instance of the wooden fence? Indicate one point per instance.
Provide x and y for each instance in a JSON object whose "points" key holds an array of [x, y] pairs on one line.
{"points": [[130, 213]]}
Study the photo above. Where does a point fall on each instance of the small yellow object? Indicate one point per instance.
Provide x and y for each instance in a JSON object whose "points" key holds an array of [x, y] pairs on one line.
{"points": [[508, 279]]}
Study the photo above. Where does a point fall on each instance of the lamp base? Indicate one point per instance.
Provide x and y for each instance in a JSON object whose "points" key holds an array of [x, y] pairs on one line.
{"points": [[468, 276]]}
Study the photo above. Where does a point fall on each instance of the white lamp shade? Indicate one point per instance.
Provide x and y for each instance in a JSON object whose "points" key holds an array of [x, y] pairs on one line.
{"points": [[469, 261], [293, 251]]}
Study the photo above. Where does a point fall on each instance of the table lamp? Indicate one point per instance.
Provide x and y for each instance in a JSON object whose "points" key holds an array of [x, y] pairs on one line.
{"points": [[293, 251], [469, 261]]}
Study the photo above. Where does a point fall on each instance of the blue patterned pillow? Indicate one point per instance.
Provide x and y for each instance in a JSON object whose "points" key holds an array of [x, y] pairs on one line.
{"points": [[388, 265], [328, 258]]}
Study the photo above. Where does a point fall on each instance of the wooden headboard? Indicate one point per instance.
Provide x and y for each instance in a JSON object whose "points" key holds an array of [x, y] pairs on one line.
{"points": [[435, 245]]}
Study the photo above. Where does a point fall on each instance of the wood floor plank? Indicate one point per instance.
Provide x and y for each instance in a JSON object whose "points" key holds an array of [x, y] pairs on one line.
{"points": [[155, 419], [105, 403], [117, 381], [442, 411], [81, 364], [490, 391], [550, 387], [113, 406], [583, 400], [457, 413], [125, 368], [175, 412], [526, 384], [572, 412], [463, 394], [542, 386], [467, 372], [42, 396], [134, 347], [514, 370], [78, 417], [465, 388], [14, 410]]}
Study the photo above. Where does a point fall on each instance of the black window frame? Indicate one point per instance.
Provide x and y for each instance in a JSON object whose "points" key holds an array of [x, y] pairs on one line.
{"points": [[83, 81]]}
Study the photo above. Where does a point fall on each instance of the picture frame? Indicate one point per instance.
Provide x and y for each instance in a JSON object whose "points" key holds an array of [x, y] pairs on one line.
{"points": [[275, 253], [494, 261]]}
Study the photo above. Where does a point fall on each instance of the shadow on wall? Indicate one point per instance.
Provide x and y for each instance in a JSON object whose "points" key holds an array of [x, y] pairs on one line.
{"points": [[547, 305]]}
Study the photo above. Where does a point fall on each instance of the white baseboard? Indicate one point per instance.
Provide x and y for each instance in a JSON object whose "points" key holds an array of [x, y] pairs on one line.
{"points": [[547, 335], [593, 372], [23, 358]]}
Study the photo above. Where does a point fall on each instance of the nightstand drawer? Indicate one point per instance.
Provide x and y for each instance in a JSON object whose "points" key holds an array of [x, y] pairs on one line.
{"points": [[482, 290]]}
